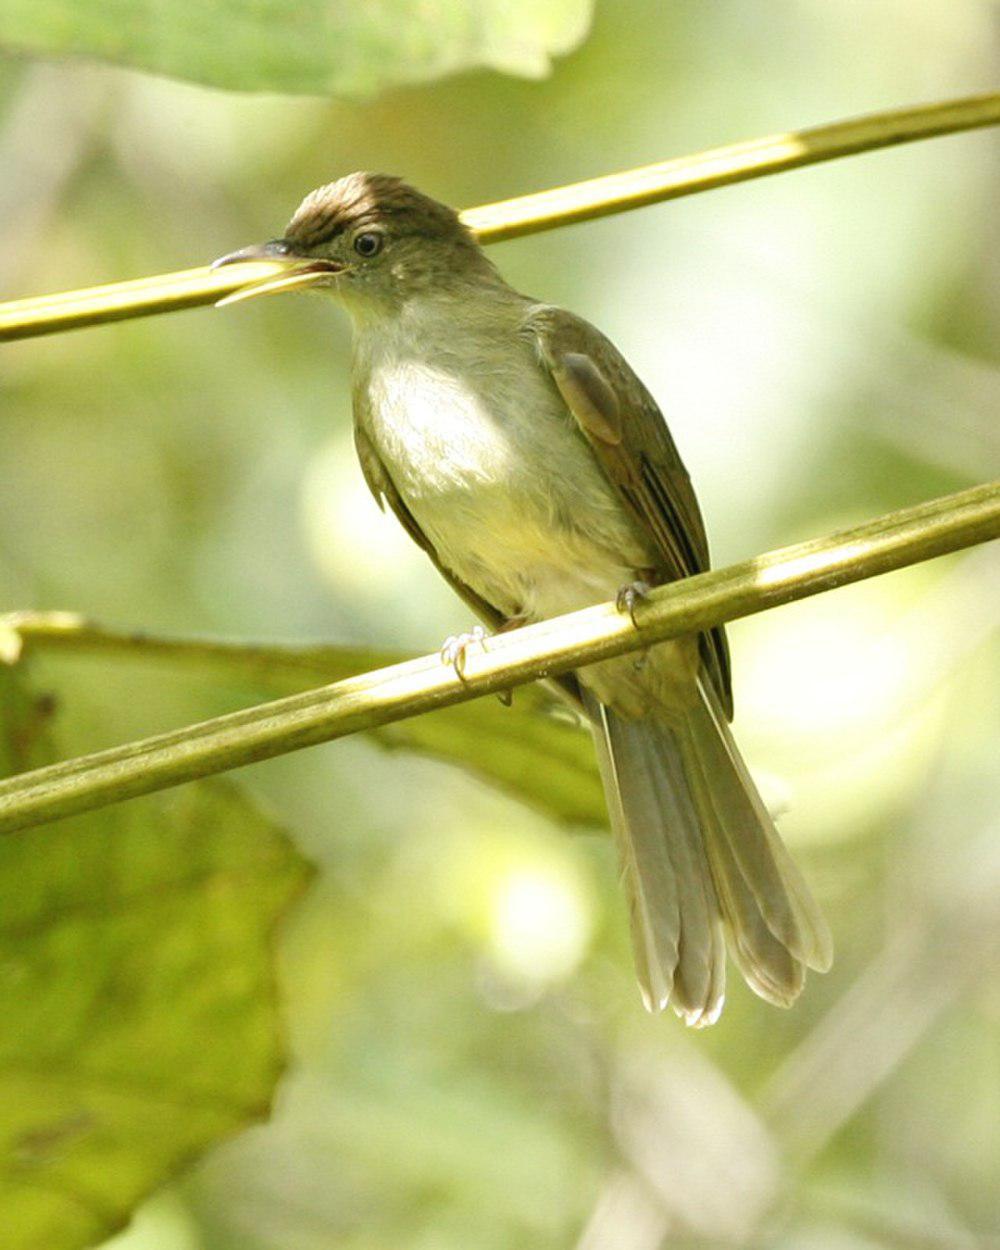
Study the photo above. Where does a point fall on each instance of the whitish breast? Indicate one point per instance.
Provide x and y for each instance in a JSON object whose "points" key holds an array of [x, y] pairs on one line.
{"points": [[497, 476]]}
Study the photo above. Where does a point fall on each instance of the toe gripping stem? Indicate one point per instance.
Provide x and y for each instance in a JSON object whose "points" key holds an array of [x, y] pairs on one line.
{"points": [[629, 596], [455, 649]]}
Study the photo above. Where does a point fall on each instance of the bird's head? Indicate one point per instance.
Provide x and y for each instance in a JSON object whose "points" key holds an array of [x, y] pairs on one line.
{"points": [[373, 240]]}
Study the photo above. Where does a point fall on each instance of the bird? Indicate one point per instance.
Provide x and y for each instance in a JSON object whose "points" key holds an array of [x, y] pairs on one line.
{"points": [[521, 452]]}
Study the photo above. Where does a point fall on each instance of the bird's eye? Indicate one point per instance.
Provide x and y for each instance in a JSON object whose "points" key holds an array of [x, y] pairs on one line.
{"points": [[368, 243]]}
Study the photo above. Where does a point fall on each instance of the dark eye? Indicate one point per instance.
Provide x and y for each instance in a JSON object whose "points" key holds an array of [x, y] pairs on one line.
{"points": [[368, 244]]}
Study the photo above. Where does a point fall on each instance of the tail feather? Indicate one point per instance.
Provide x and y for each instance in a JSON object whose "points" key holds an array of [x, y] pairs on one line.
{"points": [[678, 945], [725, 789], [650, 880], [701, 858], [767, 966], [700, 980]]}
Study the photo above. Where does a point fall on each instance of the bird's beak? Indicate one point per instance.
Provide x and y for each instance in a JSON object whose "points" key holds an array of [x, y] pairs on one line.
{"points": [[297, 270]]}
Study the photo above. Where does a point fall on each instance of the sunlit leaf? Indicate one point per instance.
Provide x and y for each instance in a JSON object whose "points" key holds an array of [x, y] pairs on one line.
{"points": [[139, 1023], [353, 47]]}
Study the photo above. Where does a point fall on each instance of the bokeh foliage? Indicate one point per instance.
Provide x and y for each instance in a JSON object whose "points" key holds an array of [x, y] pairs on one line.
{"points": [[471, 1063]]}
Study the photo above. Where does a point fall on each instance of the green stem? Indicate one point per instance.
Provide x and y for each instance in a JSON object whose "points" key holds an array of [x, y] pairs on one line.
{"points": [[528, 214], [507, 660], [22, 633], [720, 167]]}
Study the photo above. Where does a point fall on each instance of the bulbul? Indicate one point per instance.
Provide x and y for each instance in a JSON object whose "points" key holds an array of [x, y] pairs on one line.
{"points": [[522, 453]]}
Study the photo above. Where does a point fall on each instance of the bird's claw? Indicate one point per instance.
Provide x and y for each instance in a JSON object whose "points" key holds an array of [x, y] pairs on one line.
{"points": [[454, 649], [630, 595]]}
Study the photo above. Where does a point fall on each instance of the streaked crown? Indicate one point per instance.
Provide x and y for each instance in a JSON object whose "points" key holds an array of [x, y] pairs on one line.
{"points": [[363, 199]]}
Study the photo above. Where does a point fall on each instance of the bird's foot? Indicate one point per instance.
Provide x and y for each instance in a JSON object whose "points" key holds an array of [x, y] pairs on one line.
{"points": [[454, 649], [631, 594]]}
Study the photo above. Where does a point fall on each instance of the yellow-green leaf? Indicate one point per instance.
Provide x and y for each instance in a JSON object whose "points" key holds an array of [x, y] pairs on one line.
{"points": [[351, 47], [139, 1021]]}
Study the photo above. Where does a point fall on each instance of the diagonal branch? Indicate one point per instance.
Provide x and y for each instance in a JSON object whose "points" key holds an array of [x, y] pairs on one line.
{"points": [[528, 214], [719, 167], [551, 647]]}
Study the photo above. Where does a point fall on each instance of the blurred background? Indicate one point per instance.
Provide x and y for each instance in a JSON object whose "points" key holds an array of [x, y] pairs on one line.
{"points": [[471, 1063]]}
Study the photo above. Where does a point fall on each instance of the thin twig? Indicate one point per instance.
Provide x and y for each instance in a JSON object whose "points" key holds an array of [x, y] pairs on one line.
{"points": [[551, 647], [528, 214], [718, 167]]}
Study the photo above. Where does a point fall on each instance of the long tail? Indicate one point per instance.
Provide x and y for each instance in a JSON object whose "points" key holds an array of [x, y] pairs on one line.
{"points": [[702, 862]]}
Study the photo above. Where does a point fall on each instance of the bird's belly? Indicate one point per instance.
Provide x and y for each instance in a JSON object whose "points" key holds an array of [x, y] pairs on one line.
{"points": [[503, 486]]}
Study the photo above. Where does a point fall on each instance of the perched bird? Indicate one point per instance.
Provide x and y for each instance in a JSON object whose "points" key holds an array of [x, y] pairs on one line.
{"points": [[521, 452]]}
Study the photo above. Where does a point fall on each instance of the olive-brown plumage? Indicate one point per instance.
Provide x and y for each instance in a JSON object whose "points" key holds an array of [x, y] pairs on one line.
{"points": [[522, 453]]}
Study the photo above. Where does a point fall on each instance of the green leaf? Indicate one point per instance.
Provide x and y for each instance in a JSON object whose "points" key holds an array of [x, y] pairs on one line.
{"points": [[139, 1019], [535, 749], [322, 46], [525, 749]]}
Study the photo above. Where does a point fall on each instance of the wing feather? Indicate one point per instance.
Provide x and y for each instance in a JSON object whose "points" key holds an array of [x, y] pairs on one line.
{"points": [[629, 436]]}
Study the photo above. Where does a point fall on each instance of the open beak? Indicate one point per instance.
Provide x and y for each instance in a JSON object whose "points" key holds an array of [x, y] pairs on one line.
{"points": [[297, 270]]}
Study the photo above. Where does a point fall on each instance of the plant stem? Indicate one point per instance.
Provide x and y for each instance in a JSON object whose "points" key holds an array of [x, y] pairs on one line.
{"points": [[718, 167], [528, 214], [21, 633], [507, 660]]}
